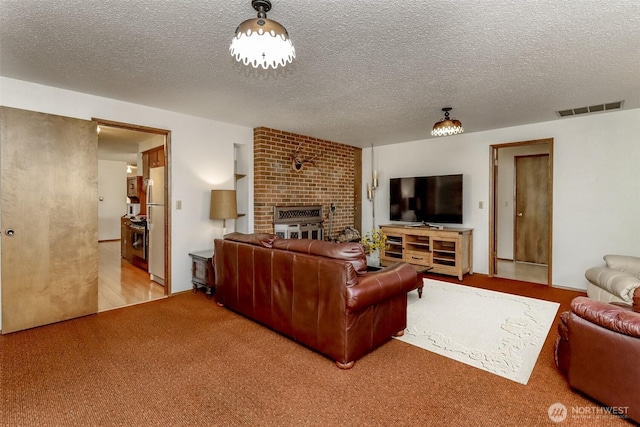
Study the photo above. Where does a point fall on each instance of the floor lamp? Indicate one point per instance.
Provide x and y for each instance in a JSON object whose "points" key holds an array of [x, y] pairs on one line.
{"points": [[223, 206]]}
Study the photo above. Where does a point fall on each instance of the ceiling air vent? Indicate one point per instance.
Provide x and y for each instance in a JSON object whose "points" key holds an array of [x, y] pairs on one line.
{"points": [[590, 109]]}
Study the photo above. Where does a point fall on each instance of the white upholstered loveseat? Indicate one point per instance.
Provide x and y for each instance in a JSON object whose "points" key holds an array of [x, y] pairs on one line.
{"points": [[616, 281]]}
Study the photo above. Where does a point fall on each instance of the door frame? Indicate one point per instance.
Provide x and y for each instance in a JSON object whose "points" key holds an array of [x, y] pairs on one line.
{"points": [[493, 185], [167, 187]]}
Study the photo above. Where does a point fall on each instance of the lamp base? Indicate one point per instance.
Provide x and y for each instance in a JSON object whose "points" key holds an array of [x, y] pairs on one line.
{"points": [[224, 228]]}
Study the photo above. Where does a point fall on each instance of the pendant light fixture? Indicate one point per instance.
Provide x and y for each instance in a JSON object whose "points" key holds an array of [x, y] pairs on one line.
{"points": [[262, 42], [447, 126]]}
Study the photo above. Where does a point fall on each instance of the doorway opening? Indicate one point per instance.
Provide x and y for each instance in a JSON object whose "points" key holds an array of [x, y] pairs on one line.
{"points": [[134, 254], [520, 229]]}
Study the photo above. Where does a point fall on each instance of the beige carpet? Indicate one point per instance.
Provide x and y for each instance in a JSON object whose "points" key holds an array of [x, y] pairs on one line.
{"points": [[497, 332]]}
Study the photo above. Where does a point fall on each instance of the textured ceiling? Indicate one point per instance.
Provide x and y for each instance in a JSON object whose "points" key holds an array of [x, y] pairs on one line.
{"points": [[366, 72], [123, 145]]}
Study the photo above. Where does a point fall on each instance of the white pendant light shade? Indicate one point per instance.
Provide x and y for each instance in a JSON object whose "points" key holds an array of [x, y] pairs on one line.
{"points": [[262, 42]]}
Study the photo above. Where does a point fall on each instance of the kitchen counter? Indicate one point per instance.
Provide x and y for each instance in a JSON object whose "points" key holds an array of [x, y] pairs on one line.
{"points": [[134, 240]]}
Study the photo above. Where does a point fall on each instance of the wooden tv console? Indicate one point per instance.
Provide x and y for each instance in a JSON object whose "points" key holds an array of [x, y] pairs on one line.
{"points": [[447, 251]]}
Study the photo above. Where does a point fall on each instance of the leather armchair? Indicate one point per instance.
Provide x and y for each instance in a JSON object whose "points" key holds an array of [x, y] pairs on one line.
{"points": [[599, 352]]}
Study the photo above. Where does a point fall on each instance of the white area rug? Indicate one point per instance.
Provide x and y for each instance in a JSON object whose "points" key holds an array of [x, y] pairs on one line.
{"points": [[499, 333]]}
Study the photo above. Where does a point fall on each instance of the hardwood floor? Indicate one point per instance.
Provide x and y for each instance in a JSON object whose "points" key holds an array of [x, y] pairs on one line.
{"points": [[120, 283]]}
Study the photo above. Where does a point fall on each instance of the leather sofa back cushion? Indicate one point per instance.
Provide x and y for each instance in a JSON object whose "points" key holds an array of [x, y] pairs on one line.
{"points": [[609, 316], [350, 252], [627, 264], [257, 239]]}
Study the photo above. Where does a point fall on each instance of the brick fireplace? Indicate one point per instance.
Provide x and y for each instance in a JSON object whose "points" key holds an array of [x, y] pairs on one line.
{"points": [[334, 178]]}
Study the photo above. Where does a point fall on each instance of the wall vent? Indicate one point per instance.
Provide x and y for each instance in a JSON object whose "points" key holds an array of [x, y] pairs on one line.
{"points": [[591, 109]]}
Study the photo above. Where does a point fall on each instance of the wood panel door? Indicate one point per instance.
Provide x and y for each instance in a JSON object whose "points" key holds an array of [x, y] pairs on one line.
{"points": [[532, 209], [48, 183]]}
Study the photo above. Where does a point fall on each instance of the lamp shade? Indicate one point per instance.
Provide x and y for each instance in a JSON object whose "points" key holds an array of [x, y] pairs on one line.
{"points": [[223, 204], [446, 125], [262, 42]]}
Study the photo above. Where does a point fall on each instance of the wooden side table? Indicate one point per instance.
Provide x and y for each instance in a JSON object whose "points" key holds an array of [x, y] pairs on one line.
{"points": [[202, 272]]}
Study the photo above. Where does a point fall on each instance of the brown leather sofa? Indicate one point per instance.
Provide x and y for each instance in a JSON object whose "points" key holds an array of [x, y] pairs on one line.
{"points": [[314, 292], [599, 352]]}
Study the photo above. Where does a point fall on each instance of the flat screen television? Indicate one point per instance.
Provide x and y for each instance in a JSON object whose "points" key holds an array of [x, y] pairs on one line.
{"points": [[428, 199]]}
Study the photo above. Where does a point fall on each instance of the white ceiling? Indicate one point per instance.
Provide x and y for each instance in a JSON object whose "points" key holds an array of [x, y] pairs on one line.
{"points": [[121, 145], [366, 72]]}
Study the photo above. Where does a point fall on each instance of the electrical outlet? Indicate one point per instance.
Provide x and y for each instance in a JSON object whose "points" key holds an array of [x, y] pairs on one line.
{"points": [[178, 205]]}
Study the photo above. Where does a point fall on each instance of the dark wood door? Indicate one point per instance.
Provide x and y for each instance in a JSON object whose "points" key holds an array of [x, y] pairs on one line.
{"points": [[532, 209], [49, 193]]}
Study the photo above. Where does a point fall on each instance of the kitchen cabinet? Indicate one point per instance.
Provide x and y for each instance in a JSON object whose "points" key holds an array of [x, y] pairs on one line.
{"points": [[137, 193], [133, 241], [155, 157], [134, 187], [125, 246]]}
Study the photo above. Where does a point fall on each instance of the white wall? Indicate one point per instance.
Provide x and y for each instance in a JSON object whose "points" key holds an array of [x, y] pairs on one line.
{"points": [[244, 190], [202, 157], [596, 185], [152, 142], [112, 198], [596, 205]]}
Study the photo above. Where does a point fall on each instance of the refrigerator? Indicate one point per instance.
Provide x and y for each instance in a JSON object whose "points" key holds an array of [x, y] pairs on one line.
{"points": [[155, 223]]}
